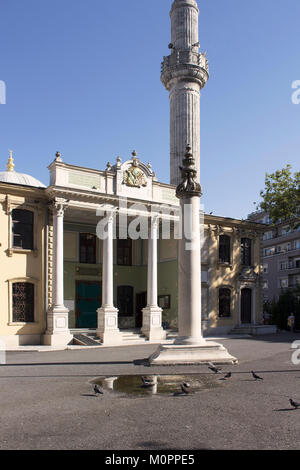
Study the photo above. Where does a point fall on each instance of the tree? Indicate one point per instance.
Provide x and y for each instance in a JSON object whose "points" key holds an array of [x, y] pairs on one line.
{"points": [[281, 196], [288, 302]]}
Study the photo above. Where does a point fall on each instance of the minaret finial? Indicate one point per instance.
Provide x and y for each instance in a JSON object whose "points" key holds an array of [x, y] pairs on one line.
{"points": [[10, 164]]}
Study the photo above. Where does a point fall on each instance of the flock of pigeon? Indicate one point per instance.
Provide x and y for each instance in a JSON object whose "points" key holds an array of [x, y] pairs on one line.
{"points": [[216, 370], [186, 387]]}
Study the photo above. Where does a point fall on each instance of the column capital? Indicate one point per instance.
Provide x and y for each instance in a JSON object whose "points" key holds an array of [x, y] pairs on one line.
{"points": [[59, 206]]}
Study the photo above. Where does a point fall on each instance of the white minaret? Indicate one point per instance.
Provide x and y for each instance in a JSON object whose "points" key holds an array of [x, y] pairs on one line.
{"points": [[184, 73]]}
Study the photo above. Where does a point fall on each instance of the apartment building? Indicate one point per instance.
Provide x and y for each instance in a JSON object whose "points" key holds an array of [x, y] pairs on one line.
{"points": [[281, 256]]}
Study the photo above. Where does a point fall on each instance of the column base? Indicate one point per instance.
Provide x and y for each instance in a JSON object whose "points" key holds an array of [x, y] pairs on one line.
{"points": [[152, 328], [57, 333], [208, 351], [108, 330]]}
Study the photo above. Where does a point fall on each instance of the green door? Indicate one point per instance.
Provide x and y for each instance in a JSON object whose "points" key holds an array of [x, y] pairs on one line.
{"points": [[88, 300]]}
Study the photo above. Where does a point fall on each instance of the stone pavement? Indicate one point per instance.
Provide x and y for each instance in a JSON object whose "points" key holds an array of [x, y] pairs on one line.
{"points": [[47, 401]]}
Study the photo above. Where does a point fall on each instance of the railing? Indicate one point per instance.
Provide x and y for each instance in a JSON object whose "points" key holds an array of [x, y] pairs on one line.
{"points": [[290, 266], [282, 235], [282, 252], [185, 57], [294, 285]]}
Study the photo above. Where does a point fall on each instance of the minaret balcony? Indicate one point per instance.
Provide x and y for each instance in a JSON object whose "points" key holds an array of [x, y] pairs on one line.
{"points": [[183, 58], [185, 64]]}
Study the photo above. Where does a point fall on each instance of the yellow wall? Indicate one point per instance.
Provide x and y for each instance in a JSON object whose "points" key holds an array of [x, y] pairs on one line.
{"points": [[22, 265]]}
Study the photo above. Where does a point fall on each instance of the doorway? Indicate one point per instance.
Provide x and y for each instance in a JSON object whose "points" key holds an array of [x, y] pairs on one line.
{"points": [[125, 301], [88, 300], [246, 306], [140, 303]]}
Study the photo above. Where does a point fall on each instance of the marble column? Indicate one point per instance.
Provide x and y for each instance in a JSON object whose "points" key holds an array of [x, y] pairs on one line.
{"points": [[58, 333], [189, 273], [190, 347], [107, 329], [152, 313], [184, 73]]}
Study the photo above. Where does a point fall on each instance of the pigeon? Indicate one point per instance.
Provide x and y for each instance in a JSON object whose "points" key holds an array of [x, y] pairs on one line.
{"points": [[255, 376], [212, 367], [294, 404], [227, 376], [185, 387], [97, 390]]}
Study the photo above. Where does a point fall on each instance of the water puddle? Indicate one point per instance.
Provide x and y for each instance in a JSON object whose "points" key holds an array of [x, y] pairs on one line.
{"points": [[138, 385]]}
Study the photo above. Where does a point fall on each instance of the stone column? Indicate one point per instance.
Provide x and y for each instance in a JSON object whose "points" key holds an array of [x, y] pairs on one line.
{"points": [[189, 257], [58, 333], [108, 330], [152, 313], [184, 74], [190, 347], [184, 125]]}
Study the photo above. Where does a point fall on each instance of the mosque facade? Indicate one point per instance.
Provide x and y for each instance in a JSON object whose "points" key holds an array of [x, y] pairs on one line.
{"points": [[92, 257]]}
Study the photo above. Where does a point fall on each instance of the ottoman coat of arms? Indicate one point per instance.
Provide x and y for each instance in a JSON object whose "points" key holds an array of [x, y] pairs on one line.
{"points": [[134, 176]]}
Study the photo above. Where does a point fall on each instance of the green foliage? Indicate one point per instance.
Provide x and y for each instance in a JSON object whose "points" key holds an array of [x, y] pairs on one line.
{"points": [[281, 197], [288, 302]]}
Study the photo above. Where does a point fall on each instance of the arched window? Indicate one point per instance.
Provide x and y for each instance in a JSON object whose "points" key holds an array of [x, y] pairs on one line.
{"points": [[224, 249], [22, 302], [246, 251], [224, 302], [22, 229]]}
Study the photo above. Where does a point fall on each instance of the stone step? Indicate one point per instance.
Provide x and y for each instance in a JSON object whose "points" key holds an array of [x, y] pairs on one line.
{"points": [[240, 331], [87, 337], [85, 340], [132, 337], [254, 330]]}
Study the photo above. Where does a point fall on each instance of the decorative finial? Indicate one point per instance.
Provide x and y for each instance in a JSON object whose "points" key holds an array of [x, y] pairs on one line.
{"points": [[10, 164], [135, 160], [119, 162], [58, 157], [188, 186], [108, 166]]}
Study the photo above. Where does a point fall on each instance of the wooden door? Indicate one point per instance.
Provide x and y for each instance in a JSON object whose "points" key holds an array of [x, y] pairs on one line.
{"points": [[246, 306]]}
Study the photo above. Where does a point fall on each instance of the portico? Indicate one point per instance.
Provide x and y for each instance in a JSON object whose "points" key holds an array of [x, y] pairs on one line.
{"points": [[109, 218]]}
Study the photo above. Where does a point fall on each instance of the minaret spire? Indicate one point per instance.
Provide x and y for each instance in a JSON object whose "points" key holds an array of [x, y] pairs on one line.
{"points": [[184, 74]]}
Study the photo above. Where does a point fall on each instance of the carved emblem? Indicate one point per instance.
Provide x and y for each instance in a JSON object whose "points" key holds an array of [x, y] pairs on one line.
{"points": [[134, 176]]}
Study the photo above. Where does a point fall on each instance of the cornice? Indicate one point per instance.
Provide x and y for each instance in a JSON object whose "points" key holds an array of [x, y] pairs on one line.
{"points": [[12, 188]]}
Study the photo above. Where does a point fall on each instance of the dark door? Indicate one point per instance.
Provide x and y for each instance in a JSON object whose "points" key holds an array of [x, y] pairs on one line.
{"points": [[246, 305], [88, 300], [141, 302], [125, 301]]}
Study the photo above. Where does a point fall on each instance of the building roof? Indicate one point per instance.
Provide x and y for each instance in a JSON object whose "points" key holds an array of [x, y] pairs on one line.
{"points": [[13, 177]]}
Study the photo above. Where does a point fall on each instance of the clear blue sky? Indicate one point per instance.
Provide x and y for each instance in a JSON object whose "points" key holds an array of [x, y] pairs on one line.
{"points": [[83, 77]]}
